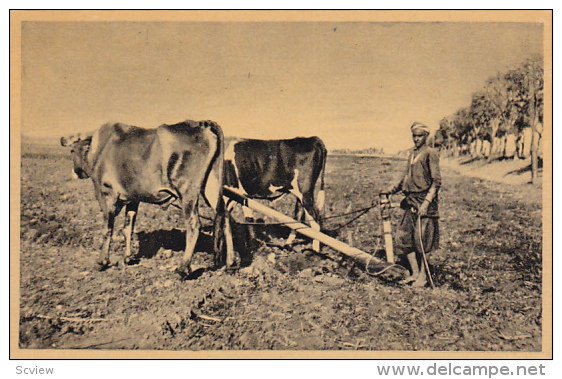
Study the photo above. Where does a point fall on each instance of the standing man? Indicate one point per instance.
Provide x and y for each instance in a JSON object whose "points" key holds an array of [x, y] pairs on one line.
{"points": [[418, 232]]}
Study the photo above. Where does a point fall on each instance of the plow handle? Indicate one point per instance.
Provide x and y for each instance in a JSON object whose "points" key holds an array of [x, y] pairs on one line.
{"points": [[385, 206]]}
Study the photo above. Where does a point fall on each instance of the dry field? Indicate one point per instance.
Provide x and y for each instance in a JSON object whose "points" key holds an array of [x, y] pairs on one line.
{"points": [[487, 271]]}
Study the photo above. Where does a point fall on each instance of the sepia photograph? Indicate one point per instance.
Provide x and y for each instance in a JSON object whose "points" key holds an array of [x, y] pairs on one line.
{"points": [[281, 184]]}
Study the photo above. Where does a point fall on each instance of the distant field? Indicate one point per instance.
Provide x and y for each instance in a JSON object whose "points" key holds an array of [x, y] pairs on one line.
{"points": [[510, 171], [488, 273]]}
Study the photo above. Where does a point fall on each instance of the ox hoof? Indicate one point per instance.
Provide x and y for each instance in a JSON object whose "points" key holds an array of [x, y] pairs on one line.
{"points": [[103, 264], [184, 271], [190, 274], [234, 265], [129, 261]]}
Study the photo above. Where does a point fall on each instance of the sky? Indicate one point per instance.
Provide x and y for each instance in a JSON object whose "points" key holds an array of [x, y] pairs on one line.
{"points": [[353, 84]]}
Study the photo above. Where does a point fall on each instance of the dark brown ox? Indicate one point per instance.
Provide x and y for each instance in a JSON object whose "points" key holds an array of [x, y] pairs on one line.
{"points": [[169, 164], [269, 169]]}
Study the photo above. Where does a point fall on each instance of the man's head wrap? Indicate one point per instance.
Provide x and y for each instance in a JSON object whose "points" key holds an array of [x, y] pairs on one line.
{"points": [[419, 126]]}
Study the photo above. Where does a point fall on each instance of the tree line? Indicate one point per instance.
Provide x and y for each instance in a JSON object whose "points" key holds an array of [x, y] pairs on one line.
{"points": [[502, 118], [369, 151]]}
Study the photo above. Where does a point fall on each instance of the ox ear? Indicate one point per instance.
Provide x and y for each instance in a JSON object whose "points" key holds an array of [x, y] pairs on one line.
{"points": [[86, 138], [69, 140], [66, 141]]}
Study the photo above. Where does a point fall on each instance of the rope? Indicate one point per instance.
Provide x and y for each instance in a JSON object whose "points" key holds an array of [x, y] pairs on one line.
{"points": [[381, 271], [372, 257], [362, 212], [424, 257]]}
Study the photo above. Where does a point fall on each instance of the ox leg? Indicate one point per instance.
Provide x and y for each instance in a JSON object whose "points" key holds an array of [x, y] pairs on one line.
{"points": [[222, 237], [130, 218], [191, 234], [311, 215], [230, 256], [249, 217], [110, 212], [298, 216], [222, 233]]}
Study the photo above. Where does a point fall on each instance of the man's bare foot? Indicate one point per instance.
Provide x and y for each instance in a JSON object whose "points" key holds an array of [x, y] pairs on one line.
{"points": [[421, 281]]}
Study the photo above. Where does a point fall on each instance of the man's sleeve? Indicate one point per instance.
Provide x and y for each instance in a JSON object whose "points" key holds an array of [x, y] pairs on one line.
{"points": [[400, 184], [434, 170]]}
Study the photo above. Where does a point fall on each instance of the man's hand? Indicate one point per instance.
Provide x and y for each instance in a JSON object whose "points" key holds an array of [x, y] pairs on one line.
{"points": [[423, 208]]}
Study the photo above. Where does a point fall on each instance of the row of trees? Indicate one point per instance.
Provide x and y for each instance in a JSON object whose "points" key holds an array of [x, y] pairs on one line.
{"points": [[508, 107], [369, 150]]}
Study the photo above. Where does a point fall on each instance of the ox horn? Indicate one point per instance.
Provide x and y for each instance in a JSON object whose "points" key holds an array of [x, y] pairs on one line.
{"points": [[65, 141]]}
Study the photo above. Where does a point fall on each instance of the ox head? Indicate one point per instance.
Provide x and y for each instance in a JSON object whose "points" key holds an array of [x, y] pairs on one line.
{"points": [[79, 148]]}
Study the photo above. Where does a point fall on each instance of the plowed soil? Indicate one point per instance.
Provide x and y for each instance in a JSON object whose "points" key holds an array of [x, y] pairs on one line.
{"points": [[487, 273]]}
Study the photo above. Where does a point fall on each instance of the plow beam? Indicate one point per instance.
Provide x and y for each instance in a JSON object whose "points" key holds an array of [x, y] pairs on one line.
{"points": [[365, 259]]}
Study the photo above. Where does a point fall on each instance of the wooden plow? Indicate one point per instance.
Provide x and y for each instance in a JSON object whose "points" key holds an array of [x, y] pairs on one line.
{"points": [[373, 265]]}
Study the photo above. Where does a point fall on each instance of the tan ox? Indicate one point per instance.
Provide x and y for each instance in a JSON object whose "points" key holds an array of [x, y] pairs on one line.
{"points": [[169, 164]]}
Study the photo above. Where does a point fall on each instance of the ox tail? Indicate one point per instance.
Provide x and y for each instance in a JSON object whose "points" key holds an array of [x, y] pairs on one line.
{"points": [[217, 170], [322, 156], [217, 163]]}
